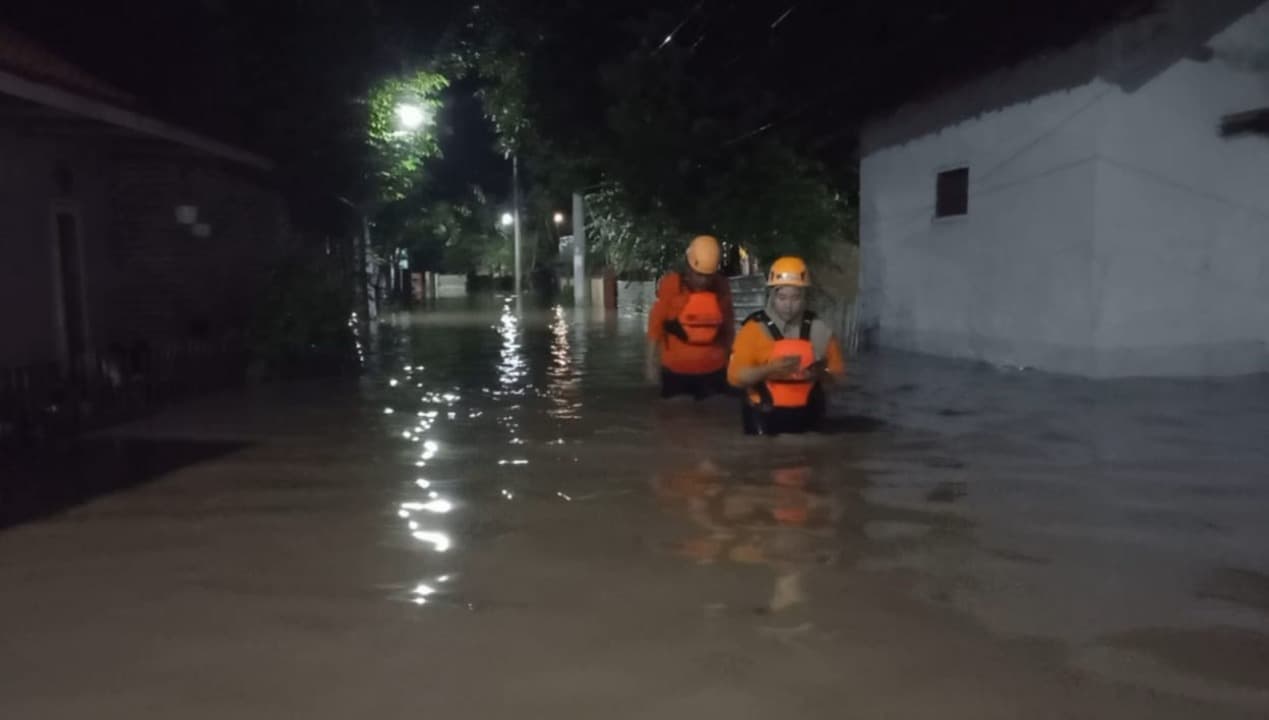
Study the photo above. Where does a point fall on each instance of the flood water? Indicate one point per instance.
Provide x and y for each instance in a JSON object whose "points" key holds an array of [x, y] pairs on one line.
{"points": [[501, 520]]}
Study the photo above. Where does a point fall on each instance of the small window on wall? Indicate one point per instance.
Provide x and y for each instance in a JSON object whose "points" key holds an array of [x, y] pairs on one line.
{"points": [[952, 193]]}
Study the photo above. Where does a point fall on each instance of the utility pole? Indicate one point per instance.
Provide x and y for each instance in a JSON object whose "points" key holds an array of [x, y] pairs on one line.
{"points": [[580, 281], [515, 211], [361, 278]]}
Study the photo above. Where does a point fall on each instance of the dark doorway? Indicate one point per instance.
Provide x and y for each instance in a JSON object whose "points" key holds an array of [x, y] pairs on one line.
{"points": [[70, 275]]}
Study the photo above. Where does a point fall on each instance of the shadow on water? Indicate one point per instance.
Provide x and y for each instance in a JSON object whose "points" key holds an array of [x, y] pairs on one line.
{"points": [[38, 485]]}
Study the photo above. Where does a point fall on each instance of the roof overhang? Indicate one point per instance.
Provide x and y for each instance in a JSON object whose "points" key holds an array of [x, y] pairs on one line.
{"points": [[59, 99]]}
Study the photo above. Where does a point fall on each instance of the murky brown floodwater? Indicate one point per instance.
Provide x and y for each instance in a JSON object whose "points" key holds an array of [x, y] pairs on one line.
{"points": [[500, 520]]}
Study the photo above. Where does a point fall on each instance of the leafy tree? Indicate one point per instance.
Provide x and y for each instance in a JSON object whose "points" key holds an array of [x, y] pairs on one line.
{"points": [[651, 136], [401, 113]]}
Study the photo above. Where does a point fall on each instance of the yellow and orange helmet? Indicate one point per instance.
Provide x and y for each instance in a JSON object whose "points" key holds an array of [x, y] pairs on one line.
{"points": [[789, 271], [704, 254]]}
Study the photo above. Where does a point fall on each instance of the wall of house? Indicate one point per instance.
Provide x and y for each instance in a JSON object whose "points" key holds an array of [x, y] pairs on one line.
{"points": [[171, 284], [1111, 230], [30, 307], [146, 277], [1182, 249], [1009, 282]]}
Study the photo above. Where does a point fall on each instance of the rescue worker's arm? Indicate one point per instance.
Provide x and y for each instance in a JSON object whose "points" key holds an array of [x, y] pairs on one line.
{"points": [[749, 364], [656, 337], [833, 367]]}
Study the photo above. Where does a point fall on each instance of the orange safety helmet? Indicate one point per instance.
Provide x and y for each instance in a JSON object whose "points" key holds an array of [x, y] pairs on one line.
{"points": [[788, 271], [704, 254]]}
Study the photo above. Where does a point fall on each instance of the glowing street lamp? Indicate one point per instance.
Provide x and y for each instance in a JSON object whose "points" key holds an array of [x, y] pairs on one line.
{"points": [[507, 219], [558, 218], [412, 116]]}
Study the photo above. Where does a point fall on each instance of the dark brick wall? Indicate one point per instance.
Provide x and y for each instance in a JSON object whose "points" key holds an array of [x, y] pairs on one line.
{"points": [[170, 285]]}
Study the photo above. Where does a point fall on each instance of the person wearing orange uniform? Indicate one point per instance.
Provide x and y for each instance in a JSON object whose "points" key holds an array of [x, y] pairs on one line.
{"points": [[783, 357], [691, 326]]}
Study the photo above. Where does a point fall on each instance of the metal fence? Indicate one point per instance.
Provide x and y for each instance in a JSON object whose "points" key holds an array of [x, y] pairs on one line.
{"points": [[45, 401]]}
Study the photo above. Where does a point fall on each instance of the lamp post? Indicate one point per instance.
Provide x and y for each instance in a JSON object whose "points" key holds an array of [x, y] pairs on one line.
{"points": [[515, 210]]}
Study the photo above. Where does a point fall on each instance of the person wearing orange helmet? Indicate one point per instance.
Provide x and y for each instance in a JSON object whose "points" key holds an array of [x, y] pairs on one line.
{"points": [[691, 326], [783, 356]]}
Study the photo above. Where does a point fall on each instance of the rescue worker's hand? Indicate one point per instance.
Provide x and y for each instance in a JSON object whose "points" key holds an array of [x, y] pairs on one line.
{"points": [[783, 367], [652, 371], [818, 371]]}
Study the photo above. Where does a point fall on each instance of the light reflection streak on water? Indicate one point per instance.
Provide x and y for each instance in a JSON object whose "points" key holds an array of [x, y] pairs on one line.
{"points": [[439, 541], [512, 368], [422, 515], [564, 381], [511, 365], [354, 325]]}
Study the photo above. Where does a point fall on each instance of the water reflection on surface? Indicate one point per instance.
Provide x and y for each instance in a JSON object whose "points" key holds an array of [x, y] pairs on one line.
{"points": [[776, 518], [986, 491]]}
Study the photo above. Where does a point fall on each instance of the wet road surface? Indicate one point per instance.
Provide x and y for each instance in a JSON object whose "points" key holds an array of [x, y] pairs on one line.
{"points": [[499, 520]]}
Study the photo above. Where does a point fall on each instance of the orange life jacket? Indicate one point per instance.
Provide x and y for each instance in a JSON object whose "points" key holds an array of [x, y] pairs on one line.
{"points": [[701, 318], [793, 391], [698, 320]]}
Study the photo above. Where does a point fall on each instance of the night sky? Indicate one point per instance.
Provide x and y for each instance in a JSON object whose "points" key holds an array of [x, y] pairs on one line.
{"points": [[281, 77]]}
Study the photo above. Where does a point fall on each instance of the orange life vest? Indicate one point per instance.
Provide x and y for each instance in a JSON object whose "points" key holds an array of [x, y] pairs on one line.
{"points": [[793, 391], [701, 318]]}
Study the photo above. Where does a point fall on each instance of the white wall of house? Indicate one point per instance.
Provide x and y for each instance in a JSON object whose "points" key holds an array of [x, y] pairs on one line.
{"points": [[1182, 260], [1009, 281], [1109, 232]]}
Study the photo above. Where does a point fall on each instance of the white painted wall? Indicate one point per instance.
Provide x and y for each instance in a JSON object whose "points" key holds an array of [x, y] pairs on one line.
{"points": [[1109, 233], [1008, 282], [450, 286], [1182, 256]]}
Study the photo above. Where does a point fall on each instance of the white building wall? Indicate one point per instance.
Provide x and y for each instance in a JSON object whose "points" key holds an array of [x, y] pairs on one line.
{"points": [[1183, 218], [1010, 282], [1109, 233]]}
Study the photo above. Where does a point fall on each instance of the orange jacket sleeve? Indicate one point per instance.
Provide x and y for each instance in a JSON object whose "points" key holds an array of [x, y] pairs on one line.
{"points": [[746, 351], [656, 321], [836, 363], [656, 317]]}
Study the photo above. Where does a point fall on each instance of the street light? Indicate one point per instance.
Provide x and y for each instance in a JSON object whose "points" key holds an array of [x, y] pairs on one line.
{"points": [[412, 116], [559, 218], [507, 219]]}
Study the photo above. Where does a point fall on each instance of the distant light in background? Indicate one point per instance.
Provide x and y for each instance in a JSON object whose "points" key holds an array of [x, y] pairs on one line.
{"points": [[507, 219], [558, 218]]}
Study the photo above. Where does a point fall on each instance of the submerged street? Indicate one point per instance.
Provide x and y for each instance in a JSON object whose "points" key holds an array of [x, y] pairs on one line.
{"points": [[499, 519]]}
